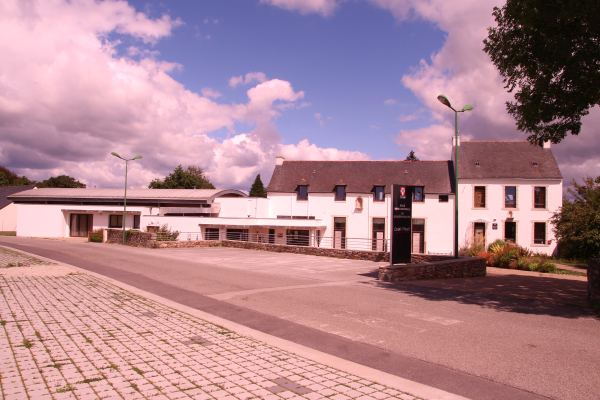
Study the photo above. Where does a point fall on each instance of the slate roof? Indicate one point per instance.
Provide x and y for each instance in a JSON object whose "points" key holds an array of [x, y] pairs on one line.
{"points": [[361, 176], [6, 191], [117, 194], [497, 159]]}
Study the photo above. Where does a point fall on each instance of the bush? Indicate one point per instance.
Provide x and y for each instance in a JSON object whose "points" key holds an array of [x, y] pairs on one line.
{"points": [[536, 263], [165, 234], [473, 250], [95, 236]]}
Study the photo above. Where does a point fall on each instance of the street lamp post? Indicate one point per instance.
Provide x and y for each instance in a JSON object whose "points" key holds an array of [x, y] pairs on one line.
{"points": [[125, 194], [467, 107]]}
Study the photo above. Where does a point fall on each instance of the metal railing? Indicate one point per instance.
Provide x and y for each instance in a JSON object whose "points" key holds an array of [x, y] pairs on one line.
{"points": [[312, 240]]}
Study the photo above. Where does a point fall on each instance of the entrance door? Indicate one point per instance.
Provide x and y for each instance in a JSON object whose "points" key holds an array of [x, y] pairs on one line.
{"points": [[479, 233], [81, 225], [271, 236], [339, 232], [510, 231]]}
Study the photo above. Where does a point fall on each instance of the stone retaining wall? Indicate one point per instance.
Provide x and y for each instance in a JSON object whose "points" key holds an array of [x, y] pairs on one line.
{"points": [[464, 267], [593, 275], [132, 237], [278, 248]]}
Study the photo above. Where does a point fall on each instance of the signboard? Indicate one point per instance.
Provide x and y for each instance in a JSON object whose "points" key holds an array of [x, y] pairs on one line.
{"points": [[401, 224]]}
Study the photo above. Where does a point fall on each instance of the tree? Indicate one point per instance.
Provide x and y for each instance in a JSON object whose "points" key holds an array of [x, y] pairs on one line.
{"points": [[190, 178], [411, 156], [577, 223], [61, 181], [548, 53], [9, 178], [258, 189]]}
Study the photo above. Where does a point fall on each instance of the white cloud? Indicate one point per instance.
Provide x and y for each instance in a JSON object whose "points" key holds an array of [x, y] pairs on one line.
{"points": [[304, 150], [249, 78], [211, 93], [390, 102], [67, 99], [322, 119], [463, 71], [321, 7]]}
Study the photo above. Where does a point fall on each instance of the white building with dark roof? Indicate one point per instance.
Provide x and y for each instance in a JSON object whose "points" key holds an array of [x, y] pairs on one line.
{"points": [[506, 190]]}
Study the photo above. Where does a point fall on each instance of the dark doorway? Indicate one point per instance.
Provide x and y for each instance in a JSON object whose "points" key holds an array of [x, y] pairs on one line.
{"points": [[479, 233], [297, 237], [81, 225], [510, 231], [271, 236], [339, 232]]}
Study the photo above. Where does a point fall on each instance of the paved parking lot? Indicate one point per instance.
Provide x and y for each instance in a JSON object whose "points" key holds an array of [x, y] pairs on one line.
{"points": [[509, 335], [66, 334]]}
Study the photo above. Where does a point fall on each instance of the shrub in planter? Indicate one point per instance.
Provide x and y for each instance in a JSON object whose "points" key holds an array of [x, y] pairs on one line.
{"points": [[473, 250], [165, 234], [95, 236]]}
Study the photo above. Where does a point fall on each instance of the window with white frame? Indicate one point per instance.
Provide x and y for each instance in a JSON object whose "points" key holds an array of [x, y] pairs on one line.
{"points": [[539, 197], [539, 233]]}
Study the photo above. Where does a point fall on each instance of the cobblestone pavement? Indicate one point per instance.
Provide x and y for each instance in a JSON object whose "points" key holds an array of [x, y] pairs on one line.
{"points": [[10, 258], [70, 335]]}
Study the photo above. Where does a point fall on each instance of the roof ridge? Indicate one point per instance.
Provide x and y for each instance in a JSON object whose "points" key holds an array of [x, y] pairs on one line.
{"points": [[341, 161]]}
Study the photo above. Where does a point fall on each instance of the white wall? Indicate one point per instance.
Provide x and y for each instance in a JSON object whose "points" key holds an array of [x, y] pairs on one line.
{"points": [[524, 214], [240, 207], [438, 216], [8, 218], [49, 220]]}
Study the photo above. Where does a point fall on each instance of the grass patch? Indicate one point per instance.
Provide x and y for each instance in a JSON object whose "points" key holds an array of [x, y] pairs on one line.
{"points": [[135, 387], [65, 389], [38, 335], [8, 233], [138, 371], [55, 365], [90, 380], [2, 322], [27, 343]]}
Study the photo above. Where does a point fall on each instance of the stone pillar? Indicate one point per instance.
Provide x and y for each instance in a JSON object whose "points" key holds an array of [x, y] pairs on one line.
{"points": [[593, 275], [104, 235]]}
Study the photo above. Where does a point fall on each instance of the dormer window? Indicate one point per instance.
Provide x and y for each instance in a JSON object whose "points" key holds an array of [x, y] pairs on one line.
{"points": [[340, 192], [418, 194], [302, 192], [378, 193], [477, 163]]}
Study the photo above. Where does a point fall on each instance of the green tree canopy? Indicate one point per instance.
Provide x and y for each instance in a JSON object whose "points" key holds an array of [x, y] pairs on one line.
{"points": [[411, 156], [258, 189], [548, 53], [577, 223], [9, 178], [61, 181], [189, 178]]}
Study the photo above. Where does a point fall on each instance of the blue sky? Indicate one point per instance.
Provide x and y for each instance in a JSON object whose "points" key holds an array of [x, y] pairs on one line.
{"points": [[347, 64], [227, 85]]}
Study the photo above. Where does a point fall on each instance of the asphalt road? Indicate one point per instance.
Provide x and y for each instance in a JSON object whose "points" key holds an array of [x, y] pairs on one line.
{"points": [[501, 337]]}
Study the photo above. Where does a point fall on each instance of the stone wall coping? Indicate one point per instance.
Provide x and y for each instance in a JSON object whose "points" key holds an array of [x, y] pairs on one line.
{"points": [[450, 260]]}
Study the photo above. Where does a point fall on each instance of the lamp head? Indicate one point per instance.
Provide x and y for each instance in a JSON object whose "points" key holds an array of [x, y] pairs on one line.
{"points": [[116, 155], [444, 100], [467, 107], [138, 157]]}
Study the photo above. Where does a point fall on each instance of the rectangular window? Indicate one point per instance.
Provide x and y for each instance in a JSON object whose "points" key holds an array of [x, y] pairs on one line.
{"points": [[539, 197], [115, 221], [510, 231], [379, 193], [136, 221], [418, 236], [510, 197], [302, 192], [211, 234], [418, 193], [340, 193], [443, 198], [339, 232], [479, 197], [378, 234], [237, 234], [539, 233], [296, 237]]}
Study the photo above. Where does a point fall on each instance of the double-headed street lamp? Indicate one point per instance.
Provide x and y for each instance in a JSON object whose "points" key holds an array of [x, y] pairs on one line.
{"points": [[125, 195], [467, 107]]}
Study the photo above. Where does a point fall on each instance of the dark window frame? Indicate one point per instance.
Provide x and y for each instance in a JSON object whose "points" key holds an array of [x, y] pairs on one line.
{"points": [[484, 202], [379, 189], [337, 195], [119, 217], [136, 221], [513, 240], [300, 196], [506, 201], [535, 197], [414, 194], [536, 238], [443, 198]]}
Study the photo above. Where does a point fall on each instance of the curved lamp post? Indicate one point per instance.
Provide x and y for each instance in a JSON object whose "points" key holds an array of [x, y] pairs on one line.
{"points": [[467, 107], [125, 195]]}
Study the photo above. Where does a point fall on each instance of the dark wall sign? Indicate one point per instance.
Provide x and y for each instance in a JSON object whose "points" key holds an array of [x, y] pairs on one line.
{"points": [[401, 224]]}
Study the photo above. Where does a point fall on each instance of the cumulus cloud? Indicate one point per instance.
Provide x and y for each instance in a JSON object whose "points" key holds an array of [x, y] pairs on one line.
{"points": [[247, 79], [321, 7], [68, 97], [462, 71], [305, 150]]}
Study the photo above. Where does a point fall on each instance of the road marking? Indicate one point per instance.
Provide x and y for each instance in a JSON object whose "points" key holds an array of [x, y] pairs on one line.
{"points": [[432, 318], [230, 295]]}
